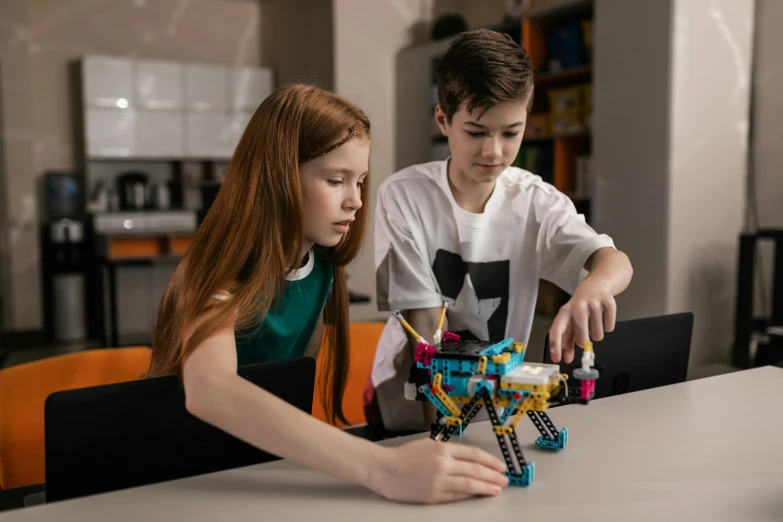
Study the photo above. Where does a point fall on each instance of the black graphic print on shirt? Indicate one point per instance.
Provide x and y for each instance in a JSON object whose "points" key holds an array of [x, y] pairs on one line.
{"points": [[478, 295]]}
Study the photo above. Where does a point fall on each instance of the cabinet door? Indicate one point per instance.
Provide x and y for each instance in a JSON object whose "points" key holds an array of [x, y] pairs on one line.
{"points": [[239, 124], [209, 135], [207, 88], [107, 82], [159, 84], [110, 133], [250, 86], [160, 134]]}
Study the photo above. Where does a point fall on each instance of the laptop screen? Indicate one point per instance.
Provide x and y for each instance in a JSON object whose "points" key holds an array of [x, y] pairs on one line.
{"points": [[639, 354]]}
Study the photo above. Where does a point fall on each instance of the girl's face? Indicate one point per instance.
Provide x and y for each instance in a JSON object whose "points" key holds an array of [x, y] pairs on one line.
{"points": [[331, 187]]}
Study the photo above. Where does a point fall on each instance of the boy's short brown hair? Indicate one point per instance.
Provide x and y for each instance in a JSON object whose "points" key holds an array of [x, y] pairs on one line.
{"points": [[483, 68]]}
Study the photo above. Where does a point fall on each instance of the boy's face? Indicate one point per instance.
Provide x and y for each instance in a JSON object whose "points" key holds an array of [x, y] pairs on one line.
{"points": [[483, 145]]}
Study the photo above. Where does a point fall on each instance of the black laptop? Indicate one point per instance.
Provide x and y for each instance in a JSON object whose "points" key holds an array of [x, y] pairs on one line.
{"points": [[639, 354], [124, 435]]}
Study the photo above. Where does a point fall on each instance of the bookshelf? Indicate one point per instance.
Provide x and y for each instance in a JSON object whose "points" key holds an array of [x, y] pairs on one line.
{"points": [[558, 139], [557, 142]]}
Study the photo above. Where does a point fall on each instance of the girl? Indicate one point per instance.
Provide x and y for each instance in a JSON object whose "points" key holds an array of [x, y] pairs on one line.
{"points": [[253, 287]]}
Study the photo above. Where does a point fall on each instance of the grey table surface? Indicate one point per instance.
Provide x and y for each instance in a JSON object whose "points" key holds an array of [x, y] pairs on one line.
{"points": [[709, 449]]}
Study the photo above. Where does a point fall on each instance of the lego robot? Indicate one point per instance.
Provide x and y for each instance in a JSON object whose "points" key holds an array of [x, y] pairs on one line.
{"points": [[483, 373]]}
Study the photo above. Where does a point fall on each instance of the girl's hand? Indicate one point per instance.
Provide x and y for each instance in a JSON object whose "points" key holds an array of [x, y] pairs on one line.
{"points": [[430, 472]]}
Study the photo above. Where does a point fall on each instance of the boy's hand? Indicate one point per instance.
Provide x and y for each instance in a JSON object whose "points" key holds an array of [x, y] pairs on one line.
{"points": [[589, 313]]}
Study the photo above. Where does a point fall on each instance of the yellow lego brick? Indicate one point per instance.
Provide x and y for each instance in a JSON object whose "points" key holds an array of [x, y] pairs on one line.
{"points": [[519, 347], [446, 400], [453, 421], [501, 358], [482, 366], [437, 380], [503, 430], [514, 385]]}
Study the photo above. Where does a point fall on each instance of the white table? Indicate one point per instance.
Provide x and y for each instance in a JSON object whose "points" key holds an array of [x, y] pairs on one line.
{"points": [[710, 449]]}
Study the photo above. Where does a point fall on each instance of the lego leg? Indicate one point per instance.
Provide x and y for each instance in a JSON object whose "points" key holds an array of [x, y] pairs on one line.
{"points": [[550, 437], [526, 472], [469, 410]]}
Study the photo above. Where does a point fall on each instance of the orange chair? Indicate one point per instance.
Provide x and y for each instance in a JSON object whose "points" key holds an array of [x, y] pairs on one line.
{"points": [[364, 339], [23, 392]]}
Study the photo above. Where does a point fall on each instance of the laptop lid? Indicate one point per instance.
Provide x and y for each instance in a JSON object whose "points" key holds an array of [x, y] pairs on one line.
{"points": [[123, 435], [639, 354]]}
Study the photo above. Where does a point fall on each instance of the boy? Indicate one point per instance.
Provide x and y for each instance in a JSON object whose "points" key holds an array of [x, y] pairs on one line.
{"points": [[479, 234]]}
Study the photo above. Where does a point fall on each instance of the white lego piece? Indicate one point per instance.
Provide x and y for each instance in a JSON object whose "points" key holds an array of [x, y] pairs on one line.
{"points": [[477, 379], [532, 373]]}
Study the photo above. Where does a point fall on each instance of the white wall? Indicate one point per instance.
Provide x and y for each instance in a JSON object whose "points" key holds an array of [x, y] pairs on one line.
{"points": [[768, 135], [631, 141], [367, 38], [710, 95], [671, 109], [297, 41], [768, 113]]}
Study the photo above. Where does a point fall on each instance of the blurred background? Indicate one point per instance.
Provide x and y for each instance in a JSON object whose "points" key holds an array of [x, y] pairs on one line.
{"points": [[660, 119]]}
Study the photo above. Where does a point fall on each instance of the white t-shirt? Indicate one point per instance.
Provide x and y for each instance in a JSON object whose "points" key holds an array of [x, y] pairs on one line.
{"points": [[487, 266]]}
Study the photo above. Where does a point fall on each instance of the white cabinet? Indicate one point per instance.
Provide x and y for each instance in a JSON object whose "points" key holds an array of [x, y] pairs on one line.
{"points": [[239, 123], [169, 110], [107, 82], [110, 133], [209, 135], [160, 134], [207, 88], [159, 85], [250, 86]]}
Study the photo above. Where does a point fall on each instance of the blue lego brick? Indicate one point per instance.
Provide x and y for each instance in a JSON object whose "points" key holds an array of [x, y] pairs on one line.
{"points": [[509, 410], [560, 443], [460, 386], [458, 366], [525, 478], [482, 385], [509, 392], [497, 347]]}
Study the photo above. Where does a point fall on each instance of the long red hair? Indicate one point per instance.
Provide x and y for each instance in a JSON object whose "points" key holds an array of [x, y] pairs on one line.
{"points": [[253, 234]]}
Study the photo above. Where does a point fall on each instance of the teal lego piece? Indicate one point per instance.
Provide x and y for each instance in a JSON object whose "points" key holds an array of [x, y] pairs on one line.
{"points": [[522, 479], [512, 406], [560, 443], [497, 348]]}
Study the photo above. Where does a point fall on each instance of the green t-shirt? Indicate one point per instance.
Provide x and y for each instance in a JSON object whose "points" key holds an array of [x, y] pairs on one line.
{"points": [[287, 328]]}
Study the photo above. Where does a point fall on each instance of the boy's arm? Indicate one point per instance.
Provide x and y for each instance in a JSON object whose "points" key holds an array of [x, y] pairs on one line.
{"points": [[592, 310], [425, 322]]}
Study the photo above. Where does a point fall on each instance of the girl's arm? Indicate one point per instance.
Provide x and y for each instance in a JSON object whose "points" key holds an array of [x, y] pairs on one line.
{"points": [[421, 471]]}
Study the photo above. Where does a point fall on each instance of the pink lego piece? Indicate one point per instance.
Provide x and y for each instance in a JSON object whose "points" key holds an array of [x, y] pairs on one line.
{"points": [[424, 353], [450, 336], [588, 388]]}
